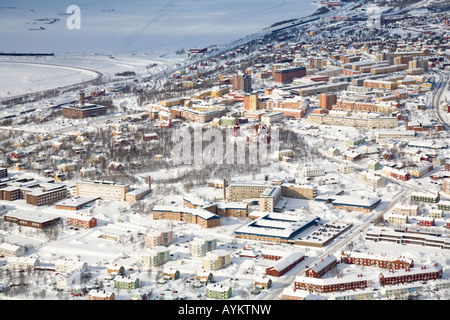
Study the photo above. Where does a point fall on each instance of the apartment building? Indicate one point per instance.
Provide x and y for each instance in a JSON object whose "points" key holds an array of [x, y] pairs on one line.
{"points": [[126, 282], [326, 285], [161, 237], [216, 259], [218, 291], [397, 218], [376, 260], [156, 256], [406, 275], [406, 209], [372, 180], [425, 197], [353, 121], [31, 219], [269, 198], [288, 74], [298, 191], [198, 247], [242, 191], [312, 171], [107, 190], [43, 196], [199, 216], [346, 168], [11, 250]]}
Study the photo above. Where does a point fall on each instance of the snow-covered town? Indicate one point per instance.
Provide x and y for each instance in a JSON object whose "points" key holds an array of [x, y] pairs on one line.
{"points": [[307, 159]]}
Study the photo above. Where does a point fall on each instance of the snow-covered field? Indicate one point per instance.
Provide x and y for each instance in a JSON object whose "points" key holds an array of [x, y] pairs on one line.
{"points": [[26, 78]]}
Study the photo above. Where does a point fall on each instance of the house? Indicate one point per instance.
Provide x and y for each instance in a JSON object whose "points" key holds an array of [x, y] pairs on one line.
{"points": [[333, 152], [115, 269], [66, 280], [101, 295], [171, 274], [263, 283], [204, 276], [115, 166]]}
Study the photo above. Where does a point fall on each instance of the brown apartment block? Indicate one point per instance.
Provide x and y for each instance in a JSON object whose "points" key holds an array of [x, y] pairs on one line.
{"points": [[327, 100], [291, 190], [83, 111], [285, 75], [355, 106], [42, 196], [31, 219]]}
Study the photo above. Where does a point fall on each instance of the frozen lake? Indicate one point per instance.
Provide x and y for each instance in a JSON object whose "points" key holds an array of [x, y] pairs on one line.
{"points": [[115, 27]]}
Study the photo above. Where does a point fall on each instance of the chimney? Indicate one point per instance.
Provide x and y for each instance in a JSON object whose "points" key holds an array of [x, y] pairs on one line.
{"points": [[149, 182]]}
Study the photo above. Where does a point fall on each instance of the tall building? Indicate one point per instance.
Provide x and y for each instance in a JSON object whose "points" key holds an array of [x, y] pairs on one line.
{"points": [[327, 100], [251, 101], [242, 82]]}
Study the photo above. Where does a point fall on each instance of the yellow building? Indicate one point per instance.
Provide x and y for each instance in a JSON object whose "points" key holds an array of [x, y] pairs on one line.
{"points": [[216, 259]]}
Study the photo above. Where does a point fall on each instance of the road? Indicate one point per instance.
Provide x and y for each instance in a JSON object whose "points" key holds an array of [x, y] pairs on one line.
{"points": [[436, 97]]}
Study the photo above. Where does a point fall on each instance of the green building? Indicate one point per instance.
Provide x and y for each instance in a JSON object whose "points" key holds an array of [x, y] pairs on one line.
{"points": [[444, 205], [124, 282], [425, 197], [156, 256], [355, 142], [373, 165], [218, 291]]}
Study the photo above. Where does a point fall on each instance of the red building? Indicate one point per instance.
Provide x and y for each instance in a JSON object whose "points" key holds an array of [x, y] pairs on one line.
{"points": [[321, 267], [411, 275], [381, 261], [426, 221], [149, 136], [285, 264], [332, 284], [82, 220]]}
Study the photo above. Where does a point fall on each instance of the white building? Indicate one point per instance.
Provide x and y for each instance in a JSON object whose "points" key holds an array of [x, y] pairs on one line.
{"points": [[107, 190], [66, 280], [21, 263], [67, 265], [310, 171], [11, 250]]}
